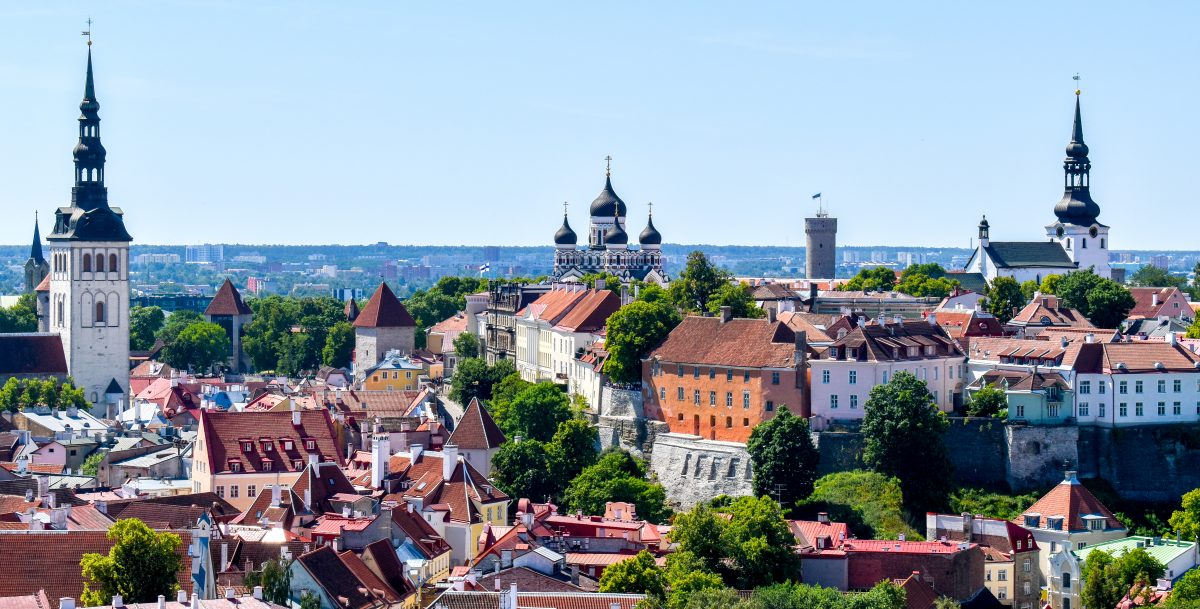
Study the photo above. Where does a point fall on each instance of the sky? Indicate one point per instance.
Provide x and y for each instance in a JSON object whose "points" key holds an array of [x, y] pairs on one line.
{"points": [[471, 123]]}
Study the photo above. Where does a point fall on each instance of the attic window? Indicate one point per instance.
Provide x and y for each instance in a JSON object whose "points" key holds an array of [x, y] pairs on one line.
{"points": [[267, 444], [287, 444], [247, 445], [266, 465], [310, 444], [1032, 520], [235, 465], [297, 464]]}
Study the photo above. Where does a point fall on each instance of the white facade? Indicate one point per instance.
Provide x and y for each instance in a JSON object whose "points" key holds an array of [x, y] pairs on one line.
{"points": [[840, 387], [1087, 246], [89, 308], [1116, 400]]}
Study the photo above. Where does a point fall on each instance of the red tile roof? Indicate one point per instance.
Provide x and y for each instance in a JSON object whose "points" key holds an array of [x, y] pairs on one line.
{"points": [[343, 587], [373, 582], [225, 432], [1069, 501], [476, 430], [1144, 303], [553, 306], [807, 532], [526, 579], [528, 600], [44, 285], [228, 301], [459, 494], [31, 601], [591, 312], [744, 343], [1146, 357], [32, 353], [904, 547], [384, 311], [1046, 311], [917, 594]]}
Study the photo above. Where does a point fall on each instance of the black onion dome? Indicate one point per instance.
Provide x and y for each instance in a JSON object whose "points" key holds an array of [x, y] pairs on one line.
{"points": [[92, 151], [607, 203], [650, 235], [565, 235], [616, 235]]}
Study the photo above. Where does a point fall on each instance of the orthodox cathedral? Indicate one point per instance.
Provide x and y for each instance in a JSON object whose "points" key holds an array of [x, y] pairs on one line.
{"points": [[608, 249], [1076, 240]]}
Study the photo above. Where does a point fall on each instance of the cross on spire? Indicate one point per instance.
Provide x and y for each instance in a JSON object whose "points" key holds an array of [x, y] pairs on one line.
{"points": [[88, 32], [608, 165], [1076, 79], [564, 208], [650, 205]]}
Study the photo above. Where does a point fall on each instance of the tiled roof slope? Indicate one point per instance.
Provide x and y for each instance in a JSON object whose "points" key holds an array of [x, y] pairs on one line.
{"points": [[1070, 501], [1146, 356], [1144, 303], [332, 574], [384, 311], [32, 353], [225, 430], [889, 342], [1028, 253], [1047, 310], [748, 343], [591, 313], [476, 430], [228, 301], [552, 306]]}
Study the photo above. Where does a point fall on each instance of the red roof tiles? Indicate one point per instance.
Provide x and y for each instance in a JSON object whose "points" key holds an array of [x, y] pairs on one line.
{"points": [[384, 311], [476, 430], [591, 312], [1068, 501], [745, 343], [228, 301], [226, 435]]}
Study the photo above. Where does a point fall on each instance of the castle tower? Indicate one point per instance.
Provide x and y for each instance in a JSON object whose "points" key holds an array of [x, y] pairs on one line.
{"points": [[820, 235], [233, 315], [383, 325], [89, 271], [1077, 228], [36, 268]]}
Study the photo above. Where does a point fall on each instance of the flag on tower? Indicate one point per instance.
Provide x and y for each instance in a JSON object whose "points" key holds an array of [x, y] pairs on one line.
{"points": [[817, 196]]}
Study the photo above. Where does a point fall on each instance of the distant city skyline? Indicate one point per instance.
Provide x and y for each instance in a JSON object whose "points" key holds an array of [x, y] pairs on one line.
{"points": [[442, 125]]}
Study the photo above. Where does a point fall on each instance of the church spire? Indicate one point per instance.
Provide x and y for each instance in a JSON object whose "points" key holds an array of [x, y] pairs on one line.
{"points": [[35, 252], [1077, 206]]}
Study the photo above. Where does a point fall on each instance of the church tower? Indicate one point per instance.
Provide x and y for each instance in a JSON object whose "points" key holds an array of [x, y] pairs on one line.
{"points": [[36, 268], [1077, 229], [89, 266]]}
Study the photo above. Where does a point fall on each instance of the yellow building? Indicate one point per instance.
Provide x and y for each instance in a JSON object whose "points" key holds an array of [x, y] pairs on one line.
{"points": [[396, 372]]}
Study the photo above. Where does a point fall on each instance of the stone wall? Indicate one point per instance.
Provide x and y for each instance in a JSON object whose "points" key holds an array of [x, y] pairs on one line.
{"points": [[617, 402], [1148, 463], [978, 451], [694, 470], [1037, 455]]}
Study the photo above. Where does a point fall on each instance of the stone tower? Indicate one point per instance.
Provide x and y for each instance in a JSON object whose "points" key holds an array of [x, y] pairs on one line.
{"points": [[820, 237], [36, 268], [89, 272], [229, 311], [383, 325]]}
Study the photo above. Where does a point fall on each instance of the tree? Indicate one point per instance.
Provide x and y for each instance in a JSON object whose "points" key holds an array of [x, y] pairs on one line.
{"points": [[473, 378], [275, 578], [1185, 594], [198, 347], [1107, 578], [686, 577], [611, 282], [21, 316], [870, 503], [1103, 301], [633, 330], [308, 600], [988, 401], [738, 298], [1049, 285], [637, 575], [903, 431], [617, 476], [877, 279], [466, 345], [91, 465], [925, 280], [945, 602], [1193, 330], [1186, 520], [144, 324], [991, 504], [141, 565], [700, 533], [535, 413], [339, 345], [20, 394], [1150, 276], [783, 457], [428, 307], [522, 469], [175, 323], [1004, 297], [760, 543], [697, 284], [1028, 289], [289, 334], [573, 448]]}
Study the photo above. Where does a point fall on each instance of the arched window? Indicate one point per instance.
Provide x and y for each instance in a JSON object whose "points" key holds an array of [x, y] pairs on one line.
{"points": [[100, 319], [87, 263], [99, 263], [112, 263]]}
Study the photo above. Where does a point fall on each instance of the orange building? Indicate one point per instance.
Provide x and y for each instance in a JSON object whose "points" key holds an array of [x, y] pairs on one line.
{"points": [[718, 377]]}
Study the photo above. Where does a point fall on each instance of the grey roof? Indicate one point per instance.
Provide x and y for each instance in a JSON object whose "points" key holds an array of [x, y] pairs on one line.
{"points": [[970, 281], [1154, 328], [1008, 254], [154, 458]]}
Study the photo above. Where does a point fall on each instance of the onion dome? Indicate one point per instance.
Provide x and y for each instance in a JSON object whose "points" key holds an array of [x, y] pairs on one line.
{"points": [[607, 203], [616, 235], [650, 235], [1076, 206], [565, 235], [90, 152]]}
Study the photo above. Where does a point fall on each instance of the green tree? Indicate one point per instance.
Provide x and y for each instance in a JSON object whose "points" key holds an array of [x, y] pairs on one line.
{"points": [[611, 282], [945, 602], [1193, 330], [198, 347], [1028, 289], [700, 533], [175, 323], [760, 543], [573, 448], [650, 292], [699, 281], [633, 330], [1186, 520], [617, 476], [535, 413], [783, 457], [870, 503], [903, 432], [1185, 594], [636, 575], [339, 345], [141, 565], [275, 578], [877, 279], [708, 598], [924, 280], [1104, 302], [473, 378], [1049, 285], [991, 504], [988, 401], [1004, 297], [91, 465], [738, 298], [686, 576], [522, 469], [1150, 276], [144, 324], [308, 600], [21, 316], [466, 345], [428, 307], [10, 395], [1107, 578]]}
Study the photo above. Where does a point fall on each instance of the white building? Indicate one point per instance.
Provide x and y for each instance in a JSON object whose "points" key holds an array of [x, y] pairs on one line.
{"points": [[870, 355], [551, 330]]}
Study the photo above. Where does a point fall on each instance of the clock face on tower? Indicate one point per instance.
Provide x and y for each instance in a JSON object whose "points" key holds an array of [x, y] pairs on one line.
{"points": [[1059, 231], [1094, 231]]}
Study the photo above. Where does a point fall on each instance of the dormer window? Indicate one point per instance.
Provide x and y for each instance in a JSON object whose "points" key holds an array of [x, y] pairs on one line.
{"points": [[297, 465], [266, 465], [1033, 520], [310, 444], [287, 444], [247, 445], [267, 444], [235, 466], [833, 353]]}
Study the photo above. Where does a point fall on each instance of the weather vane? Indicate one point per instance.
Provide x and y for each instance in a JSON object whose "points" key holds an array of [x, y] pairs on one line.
{"points": [[1076, 79], [608, 165], [88, 32]]}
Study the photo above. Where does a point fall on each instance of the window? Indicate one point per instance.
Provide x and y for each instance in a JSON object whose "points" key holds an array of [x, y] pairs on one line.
{"points": [[695, 372], [679, 370], [1002, 575], [745, 399], [679, 394], [1162, 409], [1025, 567], [99, 263], [1020, 410], [774, 378], [233, 492], [1162, 385], [1123, 387], [746, 376], [729, 399], [987, 577], [1100, 411], [1083, 409], [1138, 410], [1123, 410], [712, 373], [885, 375], [310, 444], [853, 377], [266, 465], [252, 491], [235, 466], [833, 402], [824, 377], [1101, 388], [712, 398], [729, 375], [1028, 586], [770, 406], [1003, 593], [696, 397], [681, 417], [1053, 411], [1085, 387], [728, 422], [112, 264], [853, 401], [935, 373], [100, 318], [662, 394], [1081, 545], [745, 422], [1177, 409], [1066, 581], [1137, 386], [221, 492], [87, 263]]}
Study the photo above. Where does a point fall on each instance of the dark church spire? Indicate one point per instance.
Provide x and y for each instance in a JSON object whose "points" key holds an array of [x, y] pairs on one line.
{"points": [[1077, 206], [35, 252]]}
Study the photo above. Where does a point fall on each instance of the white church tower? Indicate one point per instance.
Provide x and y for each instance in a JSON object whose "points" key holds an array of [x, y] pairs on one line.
{"points": [[89, 272], [1077, 229]]}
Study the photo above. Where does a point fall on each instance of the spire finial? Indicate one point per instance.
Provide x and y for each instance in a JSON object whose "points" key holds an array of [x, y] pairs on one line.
{"points": [[564, 209], [608, 166], [88, 32], [1076, 79], [650, 205]]}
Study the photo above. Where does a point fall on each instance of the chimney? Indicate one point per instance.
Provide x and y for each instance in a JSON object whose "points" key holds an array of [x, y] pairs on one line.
{"points": [[968, 525], [1089, 338], [224, 556], [195, 601], [812, 297], [449, 461], [823, 517], [29, 495], [23, 465], [1154, 299], [181, 597], [1172, 339], [276, 493], [295, 416], [162, 602], [415, 450], [512, 595], [308, 497], [229, 593], [933, 319], [506, 558], [258, 594], [66, 603], [312, 459], [1069, 477], [726, 314], [527, 519], [600, 284], [771, 314], [381, 452], [916, 575], [117, 601]]}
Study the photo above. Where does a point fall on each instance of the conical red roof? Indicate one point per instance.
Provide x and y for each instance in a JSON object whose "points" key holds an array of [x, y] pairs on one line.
{"points": [[384, 311], [227, 302]]}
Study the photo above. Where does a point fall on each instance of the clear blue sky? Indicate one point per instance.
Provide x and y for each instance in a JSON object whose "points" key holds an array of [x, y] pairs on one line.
{"points": [[471, 123]]}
